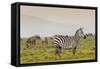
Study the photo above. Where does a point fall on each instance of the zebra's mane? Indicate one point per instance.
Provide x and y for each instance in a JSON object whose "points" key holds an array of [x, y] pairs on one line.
{"points": [[77, 31]]}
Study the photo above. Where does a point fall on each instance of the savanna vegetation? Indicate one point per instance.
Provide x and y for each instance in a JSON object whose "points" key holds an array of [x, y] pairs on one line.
{"points": [[45, 53]]}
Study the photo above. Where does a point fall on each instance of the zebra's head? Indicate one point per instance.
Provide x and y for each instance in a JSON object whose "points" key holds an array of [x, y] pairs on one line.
{"points": [[81, 33]]}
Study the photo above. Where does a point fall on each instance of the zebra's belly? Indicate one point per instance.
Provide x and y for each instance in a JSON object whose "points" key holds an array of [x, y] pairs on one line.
{"points": [[67, 47]]}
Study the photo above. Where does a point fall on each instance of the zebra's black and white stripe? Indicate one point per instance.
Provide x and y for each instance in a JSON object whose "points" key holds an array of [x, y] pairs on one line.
{"points": [[66, 42], [62, 41]]}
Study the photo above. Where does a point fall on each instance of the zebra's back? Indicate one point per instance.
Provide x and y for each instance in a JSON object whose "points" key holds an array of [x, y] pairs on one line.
{"points": [[63, 41]]}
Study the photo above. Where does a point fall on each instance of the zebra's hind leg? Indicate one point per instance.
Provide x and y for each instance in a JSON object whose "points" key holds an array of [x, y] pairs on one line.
{"points": [[58, 52], [27, 44], [74, 50]]}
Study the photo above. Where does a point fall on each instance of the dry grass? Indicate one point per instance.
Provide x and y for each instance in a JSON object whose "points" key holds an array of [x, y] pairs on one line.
{"points": [[39, 54]]}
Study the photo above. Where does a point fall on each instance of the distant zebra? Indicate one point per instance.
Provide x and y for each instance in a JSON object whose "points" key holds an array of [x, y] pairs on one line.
{"points": [[66, 42], [89, 35], [44, 41], [31, 41]]}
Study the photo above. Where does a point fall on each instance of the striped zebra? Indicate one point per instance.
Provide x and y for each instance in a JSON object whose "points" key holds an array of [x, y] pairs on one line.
{"points": [[66, 42], [31, 41]]}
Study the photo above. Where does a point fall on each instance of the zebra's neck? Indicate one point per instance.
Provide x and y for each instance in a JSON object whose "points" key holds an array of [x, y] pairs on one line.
{"points": [[76, 37]]}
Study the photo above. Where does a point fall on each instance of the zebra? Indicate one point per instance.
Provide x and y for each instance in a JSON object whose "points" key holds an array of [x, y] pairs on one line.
{"points": [[44, 41], [66, 42], [89, 35], [32, 41]]}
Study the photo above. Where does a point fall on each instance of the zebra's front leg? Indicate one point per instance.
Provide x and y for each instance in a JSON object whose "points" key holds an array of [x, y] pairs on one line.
{"points": [[74, 50], [27, 45], [58, 52]]}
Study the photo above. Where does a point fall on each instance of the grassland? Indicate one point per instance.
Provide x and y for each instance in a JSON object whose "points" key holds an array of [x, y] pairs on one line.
{"points": [[40, 54]]}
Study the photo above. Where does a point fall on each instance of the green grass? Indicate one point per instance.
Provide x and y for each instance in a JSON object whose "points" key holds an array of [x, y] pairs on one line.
{"points": [[40, 54]]}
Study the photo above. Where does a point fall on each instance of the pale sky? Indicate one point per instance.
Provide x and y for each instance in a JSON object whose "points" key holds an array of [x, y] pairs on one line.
{"points": [[48, 21]]}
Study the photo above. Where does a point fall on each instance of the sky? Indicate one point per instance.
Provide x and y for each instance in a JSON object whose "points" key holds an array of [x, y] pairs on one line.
{"points": [[48, 21]]}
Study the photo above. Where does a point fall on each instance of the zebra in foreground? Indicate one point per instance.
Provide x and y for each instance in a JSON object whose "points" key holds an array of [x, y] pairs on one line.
{"points": [[66, 42]]}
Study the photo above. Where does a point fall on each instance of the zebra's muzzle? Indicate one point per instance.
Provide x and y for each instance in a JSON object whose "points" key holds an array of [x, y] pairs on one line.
{"points": [[84, 37]]}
